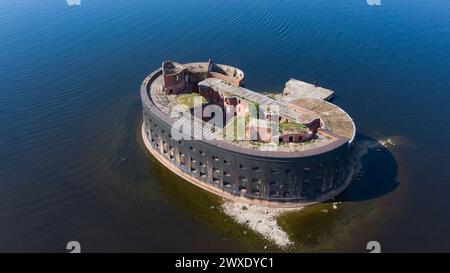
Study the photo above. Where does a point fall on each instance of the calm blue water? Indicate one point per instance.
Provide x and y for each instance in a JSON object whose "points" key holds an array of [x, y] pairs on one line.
{"points": [[69, 111]]}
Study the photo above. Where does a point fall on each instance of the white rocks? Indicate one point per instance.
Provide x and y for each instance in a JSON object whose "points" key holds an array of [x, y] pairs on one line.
{"points": [[260, 219], [386, 143], [335, 205]]}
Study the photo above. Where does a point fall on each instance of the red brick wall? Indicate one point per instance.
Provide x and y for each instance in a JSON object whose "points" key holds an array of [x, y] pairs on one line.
{"points": [[295, 137], [174, 83], [211, 96], [232, 80]]}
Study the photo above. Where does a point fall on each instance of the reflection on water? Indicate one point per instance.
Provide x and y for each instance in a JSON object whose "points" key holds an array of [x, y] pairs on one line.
{"points": [[369, 182]]}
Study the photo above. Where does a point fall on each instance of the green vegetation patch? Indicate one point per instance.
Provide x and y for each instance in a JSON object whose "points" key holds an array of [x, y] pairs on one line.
{"points": [[189, 99], [292, 127]]}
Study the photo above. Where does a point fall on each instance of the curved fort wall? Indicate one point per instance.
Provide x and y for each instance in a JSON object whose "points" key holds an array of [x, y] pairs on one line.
{"points": [[179, 77], [288, 177]]}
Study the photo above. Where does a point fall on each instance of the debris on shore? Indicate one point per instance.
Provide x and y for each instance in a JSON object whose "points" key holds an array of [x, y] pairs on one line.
{"points": [[386, 143], [260, 219]]}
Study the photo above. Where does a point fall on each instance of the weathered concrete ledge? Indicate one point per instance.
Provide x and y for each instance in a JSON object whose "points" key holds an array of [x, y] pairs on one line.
{"points": [[295, 89]]}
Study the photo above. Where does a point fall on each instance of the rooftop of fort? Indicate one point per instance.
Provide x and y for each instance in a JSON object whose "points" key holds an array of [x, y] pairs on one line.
{"points": [[301, 106]]}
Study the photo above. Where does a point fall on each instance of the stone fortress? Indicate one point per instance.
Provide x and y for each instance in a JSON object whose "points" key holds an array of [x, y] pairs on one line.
{"points": [[294, 156]]}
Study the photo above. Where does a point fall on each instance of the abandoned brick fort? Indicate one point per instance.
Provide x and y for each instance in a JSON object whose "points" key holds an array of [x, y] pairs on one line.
{"points": [[305, 159]]}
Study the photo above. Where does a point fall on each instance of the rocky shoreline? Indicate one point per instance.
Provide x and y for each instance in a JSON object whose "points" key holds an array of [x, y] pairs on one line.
{"points": [[263, 220]]}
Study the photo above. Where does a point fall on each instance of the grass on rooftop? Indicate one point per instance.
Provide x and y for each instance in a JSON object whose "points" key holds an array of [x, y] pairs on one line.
{"points": [[292, 127], [189, 99]]}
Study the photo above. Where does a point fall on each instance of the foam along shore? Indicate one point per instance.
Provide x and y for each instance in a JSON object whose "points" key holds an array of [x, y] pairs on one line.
{"points": [[262, 220]]}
